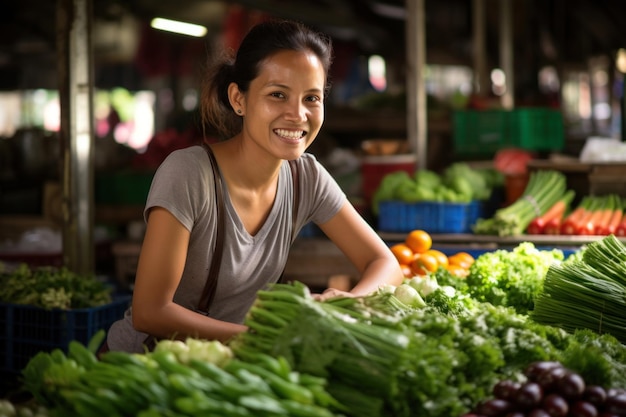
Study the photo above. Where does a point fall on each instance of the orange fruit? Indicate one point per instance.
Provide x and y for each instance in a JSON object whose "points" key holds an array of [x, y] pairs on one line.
{"points": [[441, 257], [424, 264], [457, 271], [462, 259], [419, 241], [403, 253]]}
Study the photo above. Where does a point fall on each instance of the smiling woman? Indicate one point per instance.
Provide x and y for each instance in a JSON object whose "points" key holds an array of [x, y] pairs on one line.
{"points": [[221, 218]]}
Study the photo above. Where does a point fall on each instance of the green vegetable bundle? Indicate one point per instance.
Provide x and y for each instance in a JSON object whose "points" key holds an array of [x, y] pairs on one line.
{"points": [[458, 183], [369, 356], [382, 359], [158, 384], [544, 189], [49, 287], [588, 291]]}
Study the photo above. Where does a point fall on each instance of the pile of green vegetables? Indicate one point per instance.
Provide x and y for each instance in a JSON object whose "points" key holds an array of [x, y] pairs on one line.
{"points": [[50, 287], [544, 189], [191, 378], [458, 183], [512, 278], [381, 360], [588, 291], [369, 356]]}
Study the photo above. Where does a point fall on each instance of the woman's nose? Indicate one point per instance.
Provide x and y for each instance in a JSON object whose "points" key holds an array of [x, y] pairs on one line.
{"points": [[296, 111]]}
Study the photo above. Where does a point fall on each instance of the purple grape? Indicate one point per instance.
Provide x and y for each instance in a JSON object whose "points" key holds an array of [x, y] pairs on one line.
{"points": [[493, 407], [555, 405], [612, 392], [529, 395], [616, 404], [538, 412], [505, 389], [595, 394], [548, 379], [571, 385], [535, 369], [583, 409]]}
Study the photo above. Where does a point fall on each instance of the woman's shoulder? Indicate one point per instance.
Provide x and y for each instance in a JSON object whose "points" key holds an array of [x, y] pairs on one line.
{"points": [[190, 156], [308, 162]]}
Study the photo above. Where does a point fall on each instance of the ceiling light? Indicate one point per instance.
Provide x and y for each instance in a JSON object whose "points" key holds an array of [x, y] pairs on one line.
{"points": [[178, 27]]}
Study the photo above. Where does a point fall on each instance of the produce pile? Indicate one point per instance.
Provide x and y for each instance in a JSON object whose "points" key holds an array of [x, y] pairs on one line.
{"points": [[550, 389], [545, 188], [594, 215], [511, 278], [416, 256], [388, 353], [49, 287], [189, 378], [458, 183], [369, 356], [588, 291]]}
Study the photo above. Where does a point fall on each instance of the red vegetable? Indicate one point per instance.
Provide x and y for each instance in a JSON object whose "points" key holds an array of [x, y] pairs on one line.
{"points": [[557, 211], [553, 227], [611, 217], [621, 229], [615, 221], [588, 224], [574, 220]]}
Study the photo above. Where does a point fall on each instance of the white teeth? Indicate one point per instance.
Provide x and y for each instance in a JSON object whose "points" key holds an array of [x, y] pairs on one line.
{"points": [[290, 134]]}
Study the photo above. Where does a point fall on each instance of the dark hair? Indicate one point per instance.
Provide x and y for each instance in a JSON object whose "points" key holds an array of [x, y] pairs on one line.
{"points": [[262, 41]]}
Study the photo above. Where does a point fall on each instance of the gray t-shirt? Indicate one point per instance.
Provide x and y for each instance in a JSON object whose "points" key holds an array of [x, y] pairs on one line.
{"points": [[184, 185]]}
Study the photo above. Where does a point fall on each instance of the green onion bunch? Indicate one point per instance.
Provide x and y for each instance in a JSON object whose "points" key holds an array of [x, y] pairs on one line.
{"points": [[587, 292], [544, 189]]}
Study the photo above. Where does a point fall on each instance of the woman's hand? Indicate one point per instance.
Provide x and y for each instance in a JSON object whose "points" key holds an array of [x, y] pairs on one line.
{"points": [[332, 293]]}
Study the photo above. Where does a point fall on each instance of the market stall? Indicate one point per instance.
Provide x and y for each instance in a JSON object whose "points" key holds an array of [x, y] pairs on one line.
{"points": [[426, 347]]}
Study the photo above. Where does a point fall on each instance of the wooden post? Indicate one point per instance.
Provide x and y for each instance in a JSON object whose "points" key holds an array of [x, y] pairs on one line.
{"points": [[417, 128], [74, 20]]}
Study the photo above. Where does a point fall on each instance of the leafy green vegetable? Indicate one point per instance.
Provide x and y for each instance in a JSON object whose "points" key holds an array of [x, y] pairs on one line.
{"points": [[469, 182], [545, 187], [49, 287], [587, 292], [459, 183], [512, 278]]}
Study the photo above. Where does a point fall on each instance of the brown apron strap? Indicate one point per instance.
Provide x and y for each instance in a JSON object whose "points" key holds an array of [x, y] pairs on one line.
{"points": [[294, 210], [296, 197], [208, 293]]}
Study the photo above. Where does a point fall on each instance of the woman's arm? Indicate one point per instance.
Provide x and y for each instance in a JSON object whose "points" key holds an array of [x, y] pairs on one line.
{"points": [[365, 249], [159, 271]]}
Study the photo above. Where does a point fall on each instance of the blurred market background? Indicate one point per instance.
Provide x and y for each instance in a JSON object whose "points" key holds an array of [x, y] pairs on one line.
{"points": [[542, 77]]}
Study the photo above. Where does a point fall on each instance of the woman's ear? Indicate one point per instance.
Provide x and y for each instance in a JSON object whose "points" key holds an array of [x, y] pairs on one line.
{"points": [[236, 98]]}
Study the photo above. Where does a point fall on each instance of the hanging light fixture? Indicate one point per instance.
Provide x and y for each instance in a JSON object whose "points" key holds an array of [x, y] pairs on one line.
{"points": [[175, 26]]}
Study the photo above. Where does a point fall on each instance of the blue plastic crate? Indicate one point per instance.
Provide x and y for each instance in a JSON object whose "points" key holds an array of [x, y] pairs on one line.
{"points": [[475, 210], [27, 330], [432, 217]]}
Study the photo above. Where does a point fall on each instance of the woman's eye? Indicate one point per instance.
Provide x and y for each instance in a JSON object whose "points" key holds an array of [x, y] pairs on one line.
{"points": [[277, 95], [313, 98]]}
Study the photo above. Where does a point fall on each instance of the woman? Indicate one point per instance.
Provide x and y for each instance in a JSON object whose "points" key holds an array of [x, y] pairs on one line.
{"points": [[269, 103]]}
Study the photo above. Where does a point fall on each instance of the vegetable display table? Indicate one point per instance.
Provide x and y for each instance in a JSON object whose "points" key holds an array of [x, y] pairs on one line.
{"points": [[490, 242]]}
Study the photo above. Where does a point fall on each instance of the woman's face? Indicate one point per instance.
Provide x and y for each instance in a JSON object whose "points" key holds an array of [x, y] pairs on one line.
{"points": [[284, 106]]}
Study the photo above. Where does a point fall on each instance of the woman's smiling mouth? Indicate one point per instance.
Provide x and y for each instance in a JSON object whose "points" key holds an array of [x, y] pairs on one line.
{"points": [[290, 134]]}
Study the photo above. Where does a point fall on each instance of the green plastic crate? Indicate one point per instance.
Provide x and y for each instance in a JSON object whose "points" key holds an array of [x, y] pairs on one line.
{"points": [[481, 132], [538, 129], [484, 132]]}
